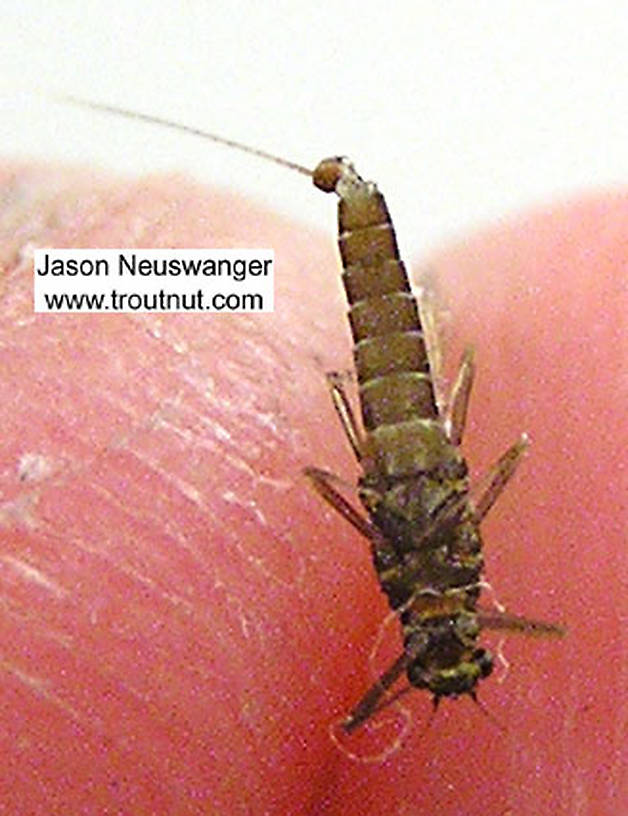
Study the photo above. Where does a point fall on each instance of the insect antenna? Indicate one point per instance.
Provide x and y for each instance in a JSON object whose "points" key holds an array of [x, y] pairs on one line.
{"points": [[487, 713], [193, 131]]}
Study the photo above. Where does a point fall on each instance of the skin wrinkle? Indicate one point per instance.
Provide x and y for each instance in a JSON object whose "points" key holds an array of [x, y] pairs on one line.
{"points": [[30, 573], [195, 610], [299, 563]]}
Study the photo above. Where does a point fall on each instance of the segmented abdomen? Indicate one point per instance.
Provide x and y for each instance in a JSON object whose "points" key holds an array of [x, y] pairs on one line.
{"points": [[390, 355], [397, 398]]}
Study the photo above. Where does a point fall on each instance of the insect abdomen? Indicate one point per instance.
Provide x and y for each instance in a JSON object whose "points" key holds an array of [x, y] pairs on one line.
{"points": [[396, 391]]}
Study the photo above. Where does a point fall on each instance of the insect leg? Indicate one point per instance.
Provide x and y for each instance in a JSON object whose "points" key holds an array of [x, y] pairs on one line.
{"points": [[322, 483], [502, 621], [431, 328], [370, 703], [382, 550], [459, 399], [499, 476], [345, 414]]}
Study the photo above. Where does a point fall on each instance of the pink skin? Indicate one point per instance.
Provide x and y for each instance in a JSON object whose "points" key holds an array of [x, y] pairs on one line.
{"points": [[184, 619]]}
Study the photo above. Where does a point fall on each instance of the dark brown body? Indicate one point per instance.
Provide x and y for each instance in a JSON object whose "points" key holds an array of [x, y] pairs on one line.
{"points": [[423, 526], [412, 474]]}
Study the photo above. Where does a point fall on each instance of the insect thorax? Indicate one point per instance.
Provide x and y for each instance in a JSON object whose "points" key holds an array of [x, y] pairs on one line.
{"points": [[429, 560]]}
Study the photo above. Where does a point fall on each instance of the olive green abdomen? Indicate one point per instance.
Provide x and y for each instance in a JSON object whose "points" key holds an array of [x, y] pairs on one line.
{"points": [[390, 354]]}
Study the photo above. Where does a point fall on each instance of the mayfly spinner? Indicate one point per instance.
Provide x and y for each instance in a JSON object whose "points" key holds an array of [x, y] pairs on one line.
{"points": [[423, 522]]}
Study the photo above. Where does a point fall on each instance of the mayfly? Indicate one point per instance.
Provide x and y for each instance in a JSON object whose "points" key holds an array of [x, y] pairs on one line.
{"points": [[423, 520]]}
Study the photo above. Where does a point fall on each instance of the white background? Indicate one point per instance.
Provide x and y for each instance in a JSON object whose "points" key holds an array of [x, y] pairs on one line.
{"points": [[463, 112]]}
